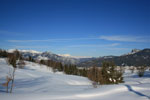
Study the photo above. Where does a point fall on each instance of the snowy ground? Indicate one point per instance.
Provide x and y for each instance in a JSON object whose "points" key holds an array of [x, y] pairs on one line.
{"points": [[36, 82]]}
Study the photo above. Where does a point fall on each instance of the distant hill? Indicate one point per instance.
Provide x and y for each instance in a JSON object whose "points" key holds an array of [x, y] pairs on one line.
{"points": [[49, 55], [134, 58]]}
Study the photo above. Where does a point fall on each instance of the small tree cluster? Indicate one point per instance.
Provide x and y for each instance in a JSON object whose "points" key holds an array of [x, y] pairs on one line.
{"points": [[71, 69], [83, 72], [68, 69], [56, 66], [107, 74], [3, 53]]}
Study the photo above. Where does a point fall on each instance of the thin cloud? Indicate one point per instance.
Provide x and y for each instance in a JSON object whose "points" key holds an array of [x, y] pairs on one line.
{"points": [[118, 49], [23, 47], [53, 40], [125, 38], [93, 45], [115, 44], [72, 46]]}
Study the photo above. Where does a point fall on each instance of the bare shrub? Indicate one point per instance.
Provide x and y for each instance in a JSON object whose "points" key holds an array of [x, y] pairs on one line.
{"points": [[12, 59], [6, 84]]}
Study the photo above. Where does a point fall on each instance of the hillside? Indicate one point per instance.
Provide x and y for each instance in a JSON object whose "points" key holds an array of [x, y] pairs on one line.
{"points": [[36, 82], [52, 56], [140, 58], [134, 58]]}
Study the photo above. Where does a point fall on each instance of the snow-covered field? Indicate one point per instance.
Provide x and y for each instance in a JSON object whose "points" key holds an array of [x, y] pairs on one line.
{"points": [[37, 82]]}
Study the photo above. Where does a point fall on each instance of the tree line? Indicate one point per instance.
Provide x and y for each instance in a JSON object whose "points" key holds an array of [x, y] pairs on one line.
{"points": [[107, 74]]}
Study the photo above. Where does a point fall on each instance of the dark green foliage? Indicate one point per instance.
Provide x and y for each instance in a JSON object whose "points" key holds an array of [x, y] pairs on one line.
{"points": [[82, 72], [3, 53], [110, 73], [71, 69], [68, 69]]}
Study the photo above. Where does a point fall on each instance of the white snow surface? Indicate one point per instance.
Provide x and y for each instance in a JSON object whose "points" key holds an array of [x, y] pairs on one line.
{"points": [[37, 82], [70, 56]]}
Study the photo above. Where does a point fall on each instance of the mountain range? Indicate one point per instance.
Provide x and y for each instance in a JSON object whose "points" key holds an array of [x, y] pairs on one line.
{"points": [[135, 58], [65, 59]]}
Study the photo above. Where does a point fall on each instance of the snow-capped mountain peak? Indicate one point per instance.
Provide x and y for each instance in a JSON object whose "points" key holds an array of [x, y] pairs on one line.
{"points": [[65, 55], [70, 56], [31, 51], [24, 51]]}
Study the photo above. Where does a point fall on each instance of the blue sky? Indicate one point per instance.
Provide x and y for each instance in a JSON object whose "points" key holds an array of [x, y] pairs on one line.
{"points": [[76, 27]]}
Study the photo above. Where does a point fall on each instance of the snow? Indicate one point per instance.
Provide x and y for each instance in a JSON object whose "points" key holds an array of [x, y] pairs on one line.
{"points": [[25, 51], [42, 58], [65, 55], [37, 82], [31, 51], [70, 56]]}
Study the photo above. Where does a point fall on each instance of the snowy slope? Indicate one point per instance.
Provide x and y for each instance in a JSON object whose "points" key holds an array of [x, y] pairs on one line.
{"points": [[37, 82]]}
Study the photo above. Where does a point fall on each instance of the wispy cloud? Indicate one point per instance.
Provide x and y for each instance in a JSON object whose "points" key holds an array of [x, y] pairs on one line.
{"points": [[53, 40], [121, 38], [24, 47], [126, 38], [70, 46], [93, 45]]}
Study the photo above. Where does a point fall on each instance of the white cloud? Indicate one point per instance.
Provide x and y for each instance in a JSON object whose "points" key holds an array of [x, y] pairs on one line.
{"points": [[114, 44], [24, 47], [96, 45], [125, 38], [53, 40], [28, 40]]}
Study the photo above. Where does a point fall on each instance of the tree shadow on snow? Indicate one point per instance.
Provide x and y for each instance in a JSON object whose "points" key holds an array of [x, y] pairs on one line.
{"points": [[136, 92], [2, 91], [146, 75]]}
